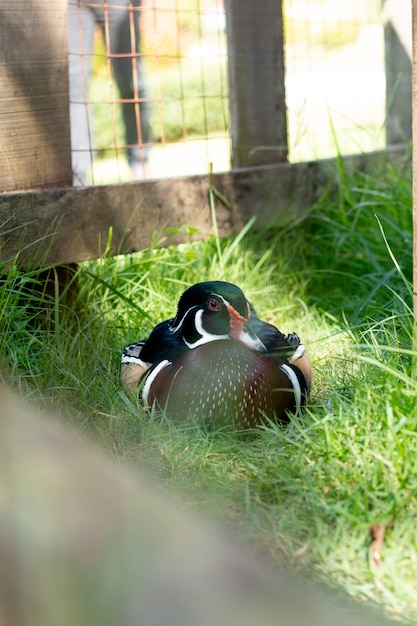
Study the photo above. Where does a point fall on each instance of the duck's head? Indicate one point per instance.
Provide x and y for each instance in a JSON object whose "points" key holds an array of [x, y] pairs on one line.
{"points": [[214, 310]]}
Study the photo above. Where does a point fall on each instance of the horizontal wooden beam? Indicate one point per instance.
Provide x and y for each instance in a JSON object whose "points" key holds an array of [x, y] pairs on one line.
{"points": [[71, 225]]}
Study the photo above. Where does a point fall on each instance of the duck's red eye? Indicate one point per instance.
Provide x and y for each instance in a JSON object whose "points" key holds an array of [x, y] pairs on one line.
{"points": [[213, 304]]}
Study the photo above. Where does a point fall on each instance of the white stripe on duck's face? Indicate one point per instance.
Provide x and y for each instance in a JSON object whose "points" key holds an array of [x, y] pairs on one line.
{"points": [[202, 322], [205, 336], [216, 319]]}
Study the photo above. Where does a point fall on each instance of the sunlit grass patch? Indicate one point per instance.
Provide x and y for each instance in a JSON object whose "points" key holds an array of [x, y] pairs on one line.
{"points": [[306, 494]]}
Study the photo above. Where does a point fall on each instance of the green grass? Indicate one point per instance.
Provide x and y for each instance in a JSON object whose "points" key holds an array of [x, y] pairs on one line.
{"points": [[304, 495]]}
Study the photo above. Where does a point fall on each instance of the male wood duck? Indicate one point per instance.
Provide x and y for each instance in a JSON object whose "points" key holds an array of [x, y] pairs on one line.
{"points": [[217, 362]]}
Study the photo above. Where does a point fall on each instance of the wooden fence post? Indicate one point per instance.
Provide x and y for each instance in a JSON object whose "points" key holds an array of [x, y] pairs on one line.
{"points": [[35, 150], [414, 92], [256, 82]]}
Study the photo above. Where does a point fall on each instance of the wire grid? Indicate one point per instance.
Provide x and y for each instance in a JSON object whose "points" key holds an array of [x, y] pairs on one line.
{"points": [[182, 54], [335, 85]]}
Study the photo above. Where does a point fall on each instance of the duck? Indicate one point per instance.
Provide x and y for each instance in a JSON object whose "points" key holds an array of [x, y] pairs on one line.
{"points": [[218, 363]]}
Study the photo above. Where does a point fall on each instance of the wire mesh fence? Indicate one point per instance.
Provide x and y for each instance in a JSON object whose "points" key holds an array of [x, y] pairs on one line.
{"points": [[148, 88], [152, 95]]}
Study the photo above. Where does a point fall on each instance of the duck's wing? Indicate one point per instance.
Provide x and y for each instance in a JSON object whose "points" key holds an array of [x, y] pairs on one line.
{"points": [[299, 359], [133, 367], [162, 345], [284, 348], [139, 357], [273, 339]]}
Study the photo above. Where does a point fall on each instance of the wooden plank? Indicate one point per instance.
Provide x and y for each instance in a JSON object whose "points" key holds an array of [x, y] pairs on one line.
{"points": [[256, 82], [414, 102], [34, 115], [72, 225]]}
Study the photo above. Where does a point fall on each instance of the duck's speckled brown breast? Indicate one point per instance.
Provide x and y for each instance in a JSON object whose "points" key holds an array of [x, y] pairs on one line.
{"points": [[222, 382]]}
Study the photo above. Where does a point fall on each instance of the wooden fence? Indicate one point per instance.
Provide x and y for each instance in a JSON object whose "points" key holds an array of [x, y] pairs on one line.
{"points": [[51, 223]]}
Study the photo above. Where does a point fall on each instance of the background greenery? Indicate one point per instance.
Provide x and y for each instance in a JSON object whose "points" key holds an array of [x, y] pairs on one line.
{"points": [[304, 495]]}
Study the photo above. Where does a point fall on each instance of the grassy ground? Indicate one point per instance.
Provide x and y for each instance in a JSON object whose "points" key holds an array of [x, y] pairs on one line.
{"points": [[304, 495]]}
